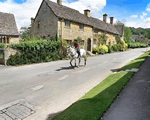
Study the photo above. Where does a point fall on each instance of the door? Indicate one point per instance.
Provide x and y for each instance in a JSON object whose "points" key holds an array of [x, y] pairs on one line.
{"points": [[89, 45]]}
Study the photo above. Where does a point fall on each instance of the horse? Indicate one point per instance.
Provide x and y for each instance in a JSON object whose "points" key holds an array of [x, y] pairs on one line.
{"points": [[74, 55]]}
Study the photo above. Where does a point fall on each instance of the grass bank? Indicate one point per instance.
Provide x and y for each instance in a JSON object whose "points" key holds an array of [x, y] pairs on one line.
{"points": [[93, 104]]}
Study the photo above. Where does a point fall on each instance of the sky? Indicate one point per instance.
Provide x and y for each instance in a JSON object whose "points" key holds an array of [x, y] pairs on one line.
{"points": [[133, 13]]}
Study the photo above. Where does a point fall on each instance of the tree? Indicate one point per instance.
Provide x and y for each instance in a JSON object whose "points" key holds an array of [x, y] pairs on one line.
{"points": [[118, 23], [26, 35], [127, 35], [118, 39]]}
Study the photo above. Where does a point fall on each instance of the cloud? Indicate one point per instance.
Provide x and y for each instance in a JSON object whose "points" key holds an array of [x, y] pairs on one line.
{"points": [[148, 7], [144, 24], [23, 12], [143, 15], [133, 16]]}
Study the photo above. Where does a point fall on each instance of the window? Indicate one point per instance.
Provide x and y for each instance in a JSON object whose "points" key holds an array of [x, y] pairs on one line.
{"points": [[8, 40], [38, 24], [81, 27], [94, 42], [109, 43], [0, 40], [69, 42], [67, 23]]}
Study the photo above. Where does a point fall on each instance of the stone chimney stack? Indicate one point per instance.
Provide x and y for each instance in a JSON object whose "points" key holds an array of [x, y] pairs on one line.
{"points": [[59, 2], [87, 13], [111, 20], [105, 18], [32, 20]]}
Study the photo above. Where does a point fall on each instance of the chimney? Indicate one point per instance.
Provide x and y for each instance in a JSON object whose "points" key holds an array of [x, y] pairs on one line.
{"points": [[59, 2], [32, 20], [111, 20], [105, 17], [87, 12]]}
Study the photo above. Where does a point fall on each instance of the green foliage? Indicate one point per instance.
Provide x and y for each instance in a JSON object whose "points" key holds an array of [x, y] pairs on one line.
{"points": [[127, 35], [137, 45], [79, 39], [103, 49], [110, 50], [117, 38], [102, 38], [26, 35], [36, 51], [115, 48], [95, 50], [2, 45]]}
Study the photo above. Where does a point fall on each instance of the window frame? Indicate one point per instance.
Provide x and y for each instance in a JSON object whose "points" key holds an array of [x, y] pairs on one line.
{"points": [[81, 28], [67, 23]]}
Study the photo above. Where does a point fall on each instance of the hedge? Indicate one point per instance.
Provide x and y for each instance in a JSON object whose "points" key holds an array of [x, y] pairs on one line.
{"points": [[35, 51]]}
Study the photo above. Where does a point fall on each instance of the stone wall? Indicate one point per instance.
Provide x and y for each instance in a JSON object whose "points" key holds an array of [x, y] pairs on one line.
{"points": [[45, 23], [14, 40], [7, 52], [73, 32]]}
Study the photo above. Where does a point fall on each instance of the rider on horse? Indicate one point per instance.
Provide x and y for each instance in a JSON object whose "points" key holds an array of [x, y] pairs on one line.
{"points": [[76, 45]]}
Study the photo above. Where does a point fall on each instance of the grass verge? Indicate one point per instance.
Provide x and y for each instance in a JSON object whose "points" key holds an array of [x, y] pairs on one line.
{"points": [[137, 62], [93, 104]]}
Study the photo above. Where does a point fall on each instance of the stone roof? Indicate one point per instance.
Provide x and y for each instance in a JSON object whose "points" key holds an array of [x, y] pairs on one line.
{"points": [[120, 29], [74, 15], [134, 37], [8, 24]]}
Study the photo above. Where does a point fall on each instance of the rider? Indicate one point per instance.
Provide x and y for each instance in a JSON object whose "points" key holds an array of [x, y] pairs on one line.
{"points": [[76, 46]]}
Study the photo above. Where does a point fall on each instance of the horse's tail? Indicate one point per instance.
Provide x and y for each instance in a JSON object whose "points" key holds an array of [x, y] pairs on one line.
{"points": [[85, 59]]}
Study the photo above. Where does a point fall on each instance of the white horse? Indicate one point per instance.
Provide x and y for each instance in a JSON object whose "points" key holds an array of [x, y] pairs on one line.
{"points": [[74, 55]]}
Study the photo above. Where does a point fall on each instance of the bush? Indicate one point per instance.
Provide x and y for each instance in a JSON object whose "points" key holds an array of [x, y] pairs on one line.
{"points": [[2, 45], [103, 49], [110, 50], [95, 50], [137, 45], [36, 51], [115, 48]]}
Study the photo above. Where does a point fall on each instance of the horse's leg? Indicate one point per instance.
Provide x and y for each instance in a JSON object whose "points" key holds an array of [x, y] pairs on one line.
{"points": [[75, 62], [71, 62], [79, 61], [85, 59]]}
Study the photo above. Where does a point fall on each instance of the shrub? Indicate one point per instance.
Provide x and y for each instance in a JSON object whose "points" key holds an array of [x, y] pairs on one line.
{"points": [[103, 49], [137, 45], [2, 45], [110, 50], [36, 51], [115, 48], [95, 50]]}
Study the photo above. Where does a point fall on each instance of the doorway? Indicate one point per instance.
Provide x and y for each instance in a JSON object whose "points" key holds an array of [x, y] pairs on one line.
{"points": [[89, 44]]}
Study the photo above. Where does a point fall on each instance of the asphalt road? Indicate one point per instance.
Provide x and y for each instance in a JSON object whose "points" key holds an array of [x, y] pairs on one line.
{"points": [[49, 88]]}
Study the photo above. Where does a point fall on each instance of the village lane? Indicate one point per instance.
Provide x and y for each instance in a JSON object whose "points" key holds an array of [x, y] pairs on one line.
{"points": [[49, 88]]}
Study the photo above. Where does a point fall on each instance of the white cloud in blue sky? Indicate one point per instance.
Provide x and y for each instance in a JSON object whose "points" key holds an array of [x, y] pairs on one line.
{"points": [[133, 16], [121, 10]]}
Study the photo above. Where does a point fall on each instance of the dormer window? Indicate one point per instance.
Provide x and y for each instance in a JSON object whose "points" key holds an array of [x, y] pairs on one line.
{"points": [[81, 27], [67, 23]]}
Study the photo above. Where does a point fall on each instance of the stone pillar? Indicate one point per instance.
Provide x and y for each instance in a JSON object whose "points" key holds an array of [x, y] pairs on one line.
{"points": [[2, 39], [87, 13]]}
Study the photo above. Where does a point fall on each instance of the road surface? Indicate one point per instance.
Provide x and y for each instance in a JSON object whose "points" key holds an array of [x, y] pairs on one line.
{"points": [[43, 90]]}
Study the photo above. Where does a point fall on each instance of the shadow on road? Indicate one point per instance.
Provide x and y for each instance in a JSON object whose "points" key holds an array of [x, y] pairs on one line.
{"points": [[65, 68]]}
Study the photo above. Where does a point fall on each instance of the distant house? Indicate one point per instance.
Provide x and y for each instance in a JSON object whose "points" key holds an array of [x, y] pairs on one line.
{"points": [[54, 19], [139, 38], [8, 29]]}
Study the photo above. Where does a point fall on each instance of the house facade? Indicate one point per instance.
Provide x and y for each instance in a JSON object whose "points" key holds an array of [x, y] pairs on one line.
{"points": [[54, 19], [139, 38], [8, 29]]}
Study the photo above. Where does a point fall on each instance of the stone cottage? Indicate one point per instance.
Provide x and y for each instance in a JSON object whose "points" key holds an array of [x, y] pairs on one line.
{"points": [[8, 29], [139, 38], [54, 19]]}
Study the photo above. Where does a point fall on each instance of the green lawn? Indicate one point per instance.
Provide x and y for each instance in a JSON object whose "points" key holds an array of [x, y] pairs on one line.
{"points": [[93, 104], [136, 63]]}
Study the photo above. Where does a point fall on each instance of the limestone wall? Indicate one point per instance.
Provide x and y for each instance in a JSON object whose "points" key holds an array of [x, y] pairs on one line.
{"points": [[47, 21], [14, 40], [7, 52]]}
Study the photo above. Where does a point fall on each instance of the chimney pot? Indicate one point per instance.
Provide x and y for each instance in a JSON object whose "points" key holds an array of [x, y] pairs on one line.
{"points": [[111, 20], [87, 12], [59, 2], [105, 17]]}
